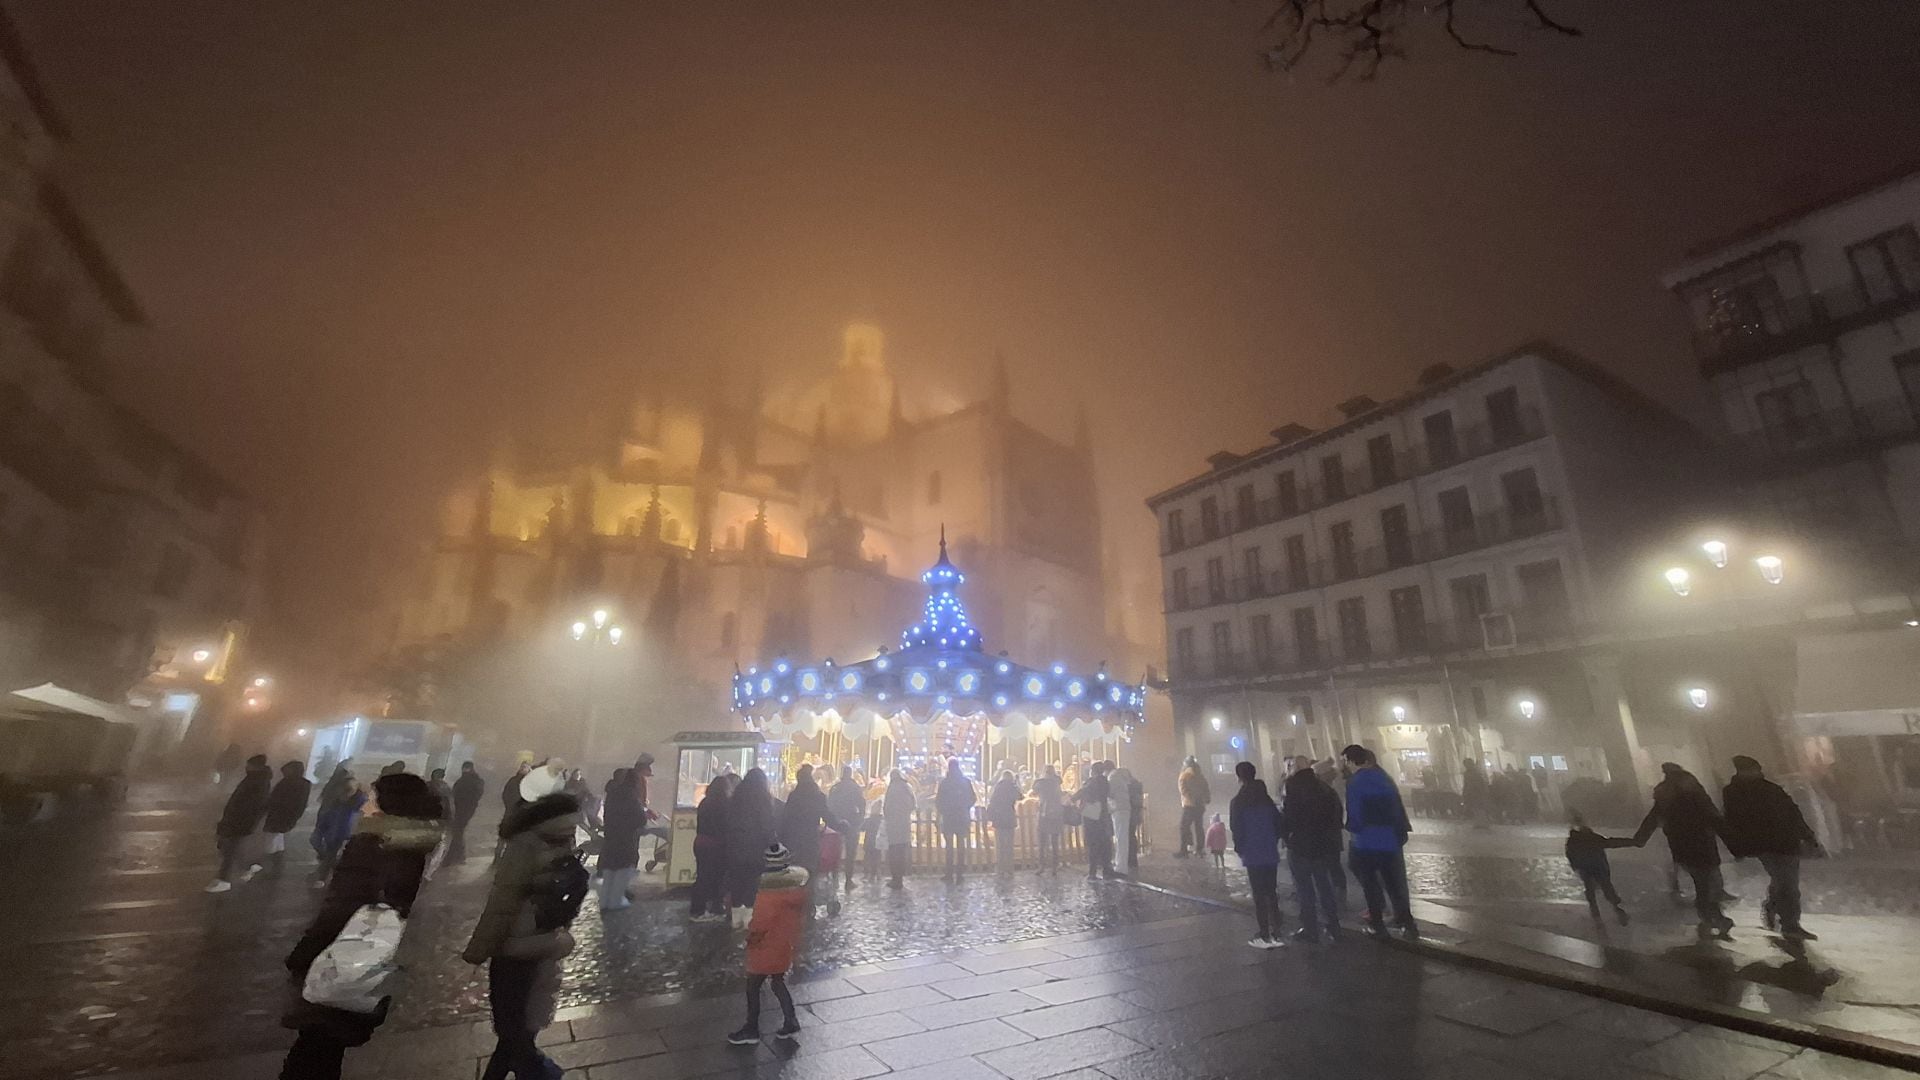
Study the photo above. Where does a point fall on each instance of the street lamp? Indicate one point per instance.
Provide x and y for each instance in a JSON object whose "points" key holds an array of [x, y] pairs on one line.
{"points": [[1717, 552], [1527, 708], [261, 682], [597, 629], [1217, 722], [1678, 578], [1399, 714], [202, 654], [1697, 696], [600, 618], [1771, 568]]}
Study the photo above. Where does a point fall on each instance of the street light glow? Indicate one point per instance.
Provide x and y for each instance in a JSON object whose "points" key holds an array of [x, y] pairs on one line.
{"points": [[579, 630], [202, 655], [1399, 714], [1680, 580], [300, 732], [261, 682], [1716, 551], [1527, 708], [1771, 568], [1697, 697], [600, 618], [613, 635], [1217, 722]]}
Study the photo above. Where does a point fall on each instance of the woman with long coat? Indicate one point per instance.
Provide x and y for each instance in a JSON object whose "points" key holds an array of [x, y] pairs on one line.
{"points": [[954, 799], [749, 829], [709, 899], [896, 812], [623, 817]]}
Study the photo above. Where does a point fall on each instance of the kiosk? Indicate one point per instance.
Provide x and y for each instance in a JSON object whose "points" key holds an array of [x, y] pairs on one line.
{"points": [[702, 756]]}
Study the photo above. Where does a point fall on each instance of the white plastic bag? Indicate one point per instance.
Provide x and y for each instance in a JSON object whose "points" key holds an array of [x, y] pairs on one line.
{"points": [[353, 972]]}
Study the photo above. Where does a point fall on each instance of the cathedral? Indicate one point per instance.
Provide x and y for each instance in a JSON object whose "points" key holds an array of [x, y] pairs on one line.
{"points": [[722, 533]]}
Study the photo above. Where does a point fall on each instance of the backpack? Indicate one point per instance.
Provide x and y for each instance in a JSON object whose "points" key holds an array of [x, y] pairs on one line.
{"points": [[558, 892], [351, 973]]}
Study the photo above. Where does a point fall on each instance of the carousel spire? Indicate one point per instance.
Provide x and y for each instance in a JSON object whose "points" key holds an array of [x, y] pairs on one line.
{"points": [[943, 625]]}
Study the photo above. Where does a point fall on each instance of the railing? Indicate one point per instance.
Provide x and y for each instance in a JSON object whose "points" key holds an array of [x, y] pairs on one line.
{"points": [[1834, 429], [1397, 644], [978, 850], [1802, 320], [1470, 441]]}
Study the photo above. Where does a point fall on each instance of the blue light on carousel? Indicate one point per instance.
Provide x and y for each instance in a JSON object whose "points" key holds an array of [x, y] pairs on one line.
{"points": [[967, 683], [810, 682], [1076, 689], [850, 680], [918, 681]]}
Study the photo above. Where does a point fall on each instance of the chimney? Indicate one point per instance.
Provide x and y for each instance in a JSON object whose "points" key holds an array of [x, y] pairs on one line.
{"points": [[1223, 460], [1289, 433], [1355, 407], [1433, 373]]}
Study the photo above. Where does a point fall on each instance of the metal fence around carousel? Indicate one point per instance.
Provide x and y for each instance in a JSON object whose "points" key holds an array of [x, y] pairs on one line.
{"points": [[977, 850]]}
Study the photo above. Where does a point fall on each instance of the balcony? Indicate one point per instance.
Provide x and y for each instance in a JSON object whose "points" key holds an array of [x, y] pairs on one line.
{"points": [[1387, 646], [1470, 441], [1833, 433], [1799, 321]]}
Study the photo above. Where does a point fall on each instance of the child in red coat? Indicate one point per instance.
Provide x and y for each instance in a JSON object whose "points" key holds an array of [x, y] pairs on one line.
{"points": [[778, 911]]}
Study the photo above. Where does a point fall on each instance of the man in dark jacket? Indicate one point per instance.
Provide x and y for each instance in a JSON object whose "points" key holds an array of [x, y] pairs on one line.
{"points": [[1763, 821], [1310, 826], [240, 820], [1377, 818], [847, 800], [1096, 820], [799, 826], [466, 802], [1256, 827], [1685, 812], [286, 805]]}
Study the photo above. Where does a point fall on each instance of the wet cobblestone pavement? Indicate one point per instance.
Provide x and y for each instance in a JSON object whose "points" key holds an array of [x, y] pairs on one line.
{"points": [[132, 965]]}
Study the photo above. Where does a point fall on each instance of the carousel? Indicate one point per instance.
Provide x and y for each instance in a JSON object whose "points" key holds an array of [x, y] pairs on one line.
{"points": [[940, 696]]}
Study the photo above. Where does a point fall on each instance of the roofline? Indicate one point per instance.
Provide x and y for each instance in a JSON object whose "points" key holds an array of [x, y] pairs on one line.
{"points": [[1546, 350], [13, 51], [1860, 189]]}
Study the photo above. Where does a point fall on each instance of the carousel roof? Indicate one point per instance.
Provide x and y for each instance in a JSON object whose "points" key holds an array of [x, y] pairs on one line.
{"points": [[941, 668]]}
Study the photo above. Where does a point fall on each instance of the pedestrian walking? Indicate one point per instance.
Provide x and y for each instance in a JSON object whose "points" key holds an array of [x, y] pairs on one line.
{"points": [[897, 813], [785, 898], [539, 885], [340, 803], [1310, 825], [1475, 798], [1377, 819], [953, 802], [1763, 821], [239, 820], [286, 805], [1587, 854], [622, 818], [1052, 819], [1685, 812], [1217, 842], [437, 783], [466, 802], [1129, 800], [1195, 794], [1255, 823], [652, 824], [1003, 815], [1096, 821], [383, 863], [750, 827], [225, 763], [801, 820], [847, 801], [510, 803], [709, 901]]}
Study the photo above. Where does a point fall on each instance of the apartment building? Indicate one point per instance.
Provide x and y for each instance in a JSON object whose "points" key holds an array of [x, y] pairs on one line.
{"points": [[1429, 577]]}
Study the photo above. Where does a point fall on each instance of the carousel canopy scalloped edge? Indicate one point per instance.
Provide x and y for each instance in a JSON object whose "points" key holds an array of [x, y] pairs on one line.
{"points": [[942, 669]]}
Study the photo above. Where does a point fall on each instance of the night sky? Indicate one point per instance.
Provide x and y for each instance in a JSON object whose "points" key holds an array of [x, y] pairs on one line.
{"points": [[372, 235]]}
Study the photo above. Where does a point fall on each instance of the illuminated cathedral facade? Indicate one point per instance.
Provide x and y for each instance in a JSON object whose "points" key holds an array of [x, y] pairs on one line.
{"points": [[726, 533]]}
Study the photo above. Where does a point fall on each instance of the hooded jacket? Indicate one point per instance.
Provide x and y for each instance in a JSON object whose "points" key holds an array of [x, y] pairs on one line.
{"points": [[381, 864], [800, 822], [1194, 792], [1310, 816], [1762, 819], [778, 911], [247, 805], [287, 803], [1255, 822], [1587, 850], [538, 836], [1375, 815], [1684, 810]]}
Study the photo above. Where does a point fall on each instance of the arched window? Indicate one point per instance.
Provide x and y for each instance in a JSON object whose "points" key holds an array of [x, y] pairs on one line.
{"points": [[933, 488]]}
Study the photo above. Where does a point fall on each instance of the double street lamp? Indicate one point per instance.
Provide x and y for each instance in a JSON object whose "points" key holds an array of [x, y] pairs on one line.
{"points": [[598, 629]]}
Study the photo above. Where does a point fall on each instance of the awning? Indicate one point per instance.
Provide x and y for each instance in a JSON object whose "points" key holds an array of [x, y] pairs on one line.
{"points": [[48, 700], [1863, 683]]}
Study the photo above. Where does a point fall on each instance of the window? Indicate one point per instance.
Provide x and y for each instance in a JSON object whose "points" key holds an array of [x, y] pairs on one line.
{"points": [[1243, 512], [1222, 646], [1306, 635], [1395, 536], [1525, 504], [1260, 639], [1443, 446], [1181, 595], [1287, 488], [1216, 580], [1380, 460], [1409, 619], [1906, 365], [1456, 518], [1346, 562], [1790, 414], [1543, 588], [933, 489], [1256, 577], [1209, 518], [1183, 647], [171, 576], [1300, 709], [1176, 531], [1503, 416], [1351, 613], [1887, 266], [1333, 479], [1470, 601], [1297, 576]]}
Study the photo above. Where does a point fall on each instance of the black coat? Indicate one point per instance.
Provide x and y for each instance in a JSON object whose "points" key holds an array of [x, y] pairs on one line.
{"points": [[1691, 821], [1311, 821], [750, 825], [623, 816], [1762, 819], [800, 822], [287, 803], [466, 797], [247, 805]]}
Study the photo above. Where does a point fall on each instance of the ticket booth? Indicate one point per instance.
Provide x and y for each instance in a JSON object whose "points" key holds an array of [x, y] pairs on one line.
{"points": [[701, 756]]}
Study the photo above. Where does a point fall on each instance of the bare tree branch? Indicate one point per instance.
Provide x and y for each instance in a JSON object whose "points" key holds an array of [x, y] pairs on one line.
{"points": [[1547, 22], [1367, 33]]}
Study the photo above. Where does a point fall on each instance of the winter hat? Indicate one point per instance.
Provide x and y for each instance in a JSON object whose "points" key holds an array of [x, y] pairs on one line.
{"points": [[540, 783], [777, 858]]}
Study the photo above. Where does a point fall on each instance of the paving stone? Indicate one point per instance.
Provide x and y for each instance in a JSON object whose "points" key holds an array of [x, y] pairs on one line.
{"points": [[1147, 1065], [1815, 1065], [1164, 994], [576, 1055], [842, 1063], [1563, 1050], [1062, 1053], [1008, 961], [812, 990], [1695, 1056], [1061, 991], [848, 1008], [1512, 1013], [683, 1064], [1074, 1016], [859, 1032], [1194, 1022], [1622, 1022], [986, 1007], [945, 1044], [913, 976], [957, 1069], [976, 985]]}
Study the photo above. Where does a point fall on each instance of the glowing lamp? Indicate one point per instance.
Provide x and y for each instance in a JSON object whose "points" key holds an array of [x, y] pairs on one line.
{"points": [[1679, 580], [1697, 697], [579, 630], [1771, 568], [1716, 552], [1527, 708], [600, 617], [1399, 714], [1217, 722]]}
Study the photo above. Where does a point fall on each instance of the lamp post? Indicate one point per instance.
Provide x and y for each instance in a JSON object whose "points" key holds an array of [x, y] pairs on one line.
{"points": [[596, 631]]}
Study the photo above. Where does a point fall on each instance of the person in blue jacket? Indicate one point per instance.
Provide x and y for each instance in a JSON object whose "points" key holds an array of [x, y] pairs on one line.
{"points": [[1255, 822], [1377, 819]]}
